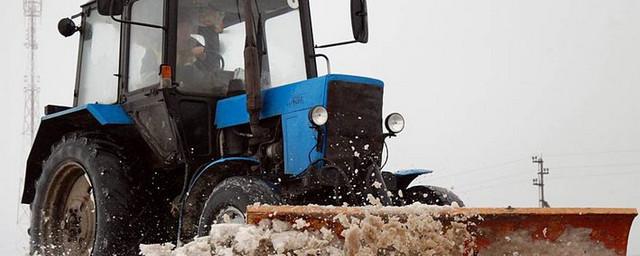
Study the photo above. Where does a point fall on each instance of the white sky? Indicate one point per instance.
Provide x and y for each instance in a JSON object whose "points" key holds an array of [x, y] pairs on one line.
{"points": [[483, 86]]}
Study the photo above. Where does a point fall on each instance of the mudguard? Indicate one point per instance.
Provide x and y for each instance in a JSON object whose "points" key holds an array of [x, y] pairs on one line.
{"points": [[223, 164], [203, 182], [402, 178], [102, 113], [89, 117]]}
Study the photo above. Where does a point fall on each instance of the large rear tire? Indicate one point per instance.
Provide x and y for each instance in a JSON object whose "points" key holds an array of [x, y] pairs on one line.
{"points": [[229, 200], [85, 202]]}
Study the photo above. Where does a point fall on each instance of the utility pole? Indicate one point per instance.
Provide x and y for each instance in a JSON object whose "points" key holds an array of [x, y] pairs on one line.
{"points": [[540, 180]]}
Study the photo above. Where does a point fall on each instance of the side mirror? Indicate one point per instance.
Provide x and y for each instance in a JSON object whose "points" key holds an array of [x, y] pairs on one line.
{"points": [[359, 20], [67, 27], [110, 7]]}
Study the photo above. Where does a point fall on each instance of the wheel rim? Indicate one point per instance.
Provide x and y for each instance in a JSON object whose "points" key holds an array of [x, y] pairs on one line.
{"points": [[70, 229], [230, 215]]}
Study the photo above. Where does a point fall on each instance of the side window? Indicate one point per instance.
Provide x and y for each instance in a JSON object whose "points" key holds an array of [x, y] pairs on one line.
{"points": [[145, 51], [285, 49], [100, 50]]}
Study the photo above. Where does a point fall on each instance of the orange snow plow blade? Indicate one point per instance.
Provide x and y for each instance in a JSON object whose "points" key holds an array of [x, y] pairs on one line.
{"points": [[550, 231]]}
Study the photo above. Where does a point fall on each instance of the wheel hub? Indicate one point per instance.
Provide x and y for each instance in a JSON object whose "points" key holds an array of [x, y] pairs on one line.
{"points": [[79, 220], [230, 214], [70, 213]]}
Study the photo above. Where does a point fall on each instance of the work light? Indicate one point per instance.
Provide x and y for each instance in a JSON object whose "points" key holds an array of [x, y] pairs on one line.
{"points": [[394, 123], [318, 116]]}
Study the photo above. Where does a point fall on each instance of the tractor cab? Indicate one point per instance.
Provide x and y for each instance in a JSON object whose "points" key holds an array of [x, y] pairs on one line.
{"points": [[196, 46], [168, 63], [200, 44]]}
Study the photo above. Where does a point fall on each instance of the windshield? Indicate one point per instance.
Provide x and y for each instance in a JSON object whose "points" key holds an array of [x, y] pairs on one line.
{"points": [[210, 46]]}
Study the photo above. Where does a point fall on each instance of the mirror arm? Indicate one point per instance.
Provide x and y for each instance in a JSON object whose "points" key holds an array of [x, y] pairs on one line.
{"points": [[138, 23], [326, 59], [334, 44], [113, 17], [76, 15]]}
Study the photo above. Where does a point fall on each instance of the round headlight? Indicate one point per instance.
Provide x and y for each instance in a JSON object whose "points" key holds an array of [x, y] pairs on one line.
{"points": [[394, 123], [318, 116]]}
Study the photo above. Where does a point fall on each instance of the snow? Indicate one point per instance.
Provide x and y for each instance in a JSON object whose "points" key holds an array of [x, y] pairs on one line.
{"points": [[270, 237], [372, 200], [573, 242], [378, 232], [300, 224]]}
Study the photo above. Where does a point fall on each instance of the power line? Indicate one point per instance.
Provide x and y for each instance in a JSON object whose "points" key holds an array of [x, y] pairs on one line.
{"points": [[597, 165], [507, 163], [637, 172], [502, 164], [498, 181], [494, 185], [479, 169], [593, 153], [493, 181]]}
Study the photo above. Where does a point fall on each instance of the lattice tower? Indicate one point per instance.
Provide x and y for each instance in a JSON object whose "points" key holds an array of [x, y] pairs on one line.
{"points": [[32, 13]]}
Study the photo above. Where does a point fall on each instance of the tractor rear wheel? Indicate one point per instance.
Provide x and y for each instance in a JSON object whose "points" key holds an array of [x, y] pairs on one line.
{"points": [[229, 200], [85, 203], [431, 195]]}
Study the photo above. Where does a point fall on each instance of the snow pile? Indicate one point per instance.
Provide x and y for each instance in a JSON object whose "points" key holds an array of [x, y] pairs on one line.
{"points": [[269, 238], [573, 242], [421, 233], [413, 230]]}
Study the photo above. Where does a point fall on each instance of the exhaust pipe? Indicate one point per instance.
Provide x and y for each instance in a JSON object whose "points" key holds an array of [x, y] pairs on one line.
{"points": [[253, 71]]}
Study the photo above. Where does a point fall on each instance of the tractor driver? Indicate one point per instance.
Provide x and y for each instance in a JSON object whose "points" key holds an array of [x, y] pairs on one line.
{"points": [[210, 25], [199, 65]]}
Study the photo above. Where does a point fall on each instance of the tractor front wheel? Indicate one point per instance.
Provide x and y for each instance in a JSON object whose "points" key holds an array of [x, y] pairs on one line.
{"points": [[229, 200]]}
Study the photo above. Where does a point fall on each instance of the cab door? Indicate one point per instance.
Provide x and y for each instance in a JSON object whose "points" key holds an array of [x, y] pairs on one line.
{"points": [[143, 99], [98, 64]]}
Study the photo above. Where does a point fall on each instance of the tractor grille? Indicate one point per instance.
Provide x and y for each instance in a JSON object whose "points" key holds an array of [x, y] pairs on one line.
{"points": [[354, 127]]}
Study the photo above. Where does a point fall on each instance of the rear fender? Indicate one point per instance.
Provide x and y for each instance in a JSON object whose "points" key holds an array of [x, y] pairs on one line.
{"points": [[214, 172], [90, 117], [229, 166], [401, 179]]}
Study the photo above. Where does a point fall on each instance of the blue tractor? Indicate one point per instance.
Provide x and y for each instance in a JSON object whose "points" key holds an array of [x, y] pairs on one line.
{"points": [[187, 111]]}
